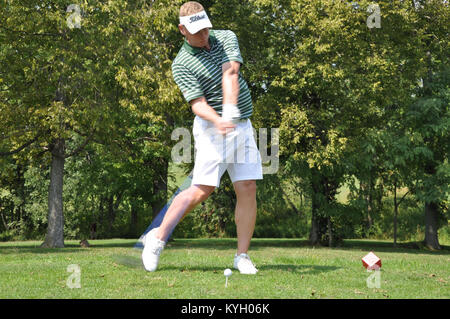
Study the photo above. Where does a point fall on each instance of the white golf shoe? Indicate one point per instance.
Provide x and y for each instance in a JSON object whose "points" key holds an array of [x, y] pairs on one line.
{"points": [[152, 250], [244, 264]]}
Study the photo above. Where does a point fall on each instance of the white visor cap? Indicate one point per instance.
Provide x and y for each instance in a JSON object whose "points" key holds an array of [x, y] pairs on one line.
{"points": [[196, 22]]}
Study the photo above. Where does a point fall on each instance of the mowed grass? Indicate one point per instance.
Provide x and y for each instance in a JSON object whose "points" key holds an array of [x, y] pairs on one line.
{"points": [[193, 268]]}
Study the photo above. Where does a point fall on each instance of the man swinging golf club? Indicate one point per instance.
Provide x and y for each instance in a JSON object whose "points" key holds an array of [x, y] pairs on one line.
{"points": [[206, 70]]}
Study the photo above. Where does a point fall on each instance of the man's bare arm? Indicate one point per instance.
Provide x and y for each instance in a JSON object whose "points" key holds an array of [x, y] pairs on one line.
{"points": [[230, 82], [230, 90], [201, 108]]}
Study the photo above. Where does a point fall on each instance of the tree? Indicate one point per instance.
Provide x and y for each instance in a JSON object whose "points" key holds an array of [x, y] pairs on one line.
{"points": [[428, 128], [337, 76], [61, 84], [427, 118]]}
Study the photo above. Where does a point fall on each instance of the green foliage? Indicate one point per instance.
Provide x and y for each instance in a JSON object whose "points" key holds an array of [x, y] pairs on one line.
{"points": [[215, 217], [276, 217], [345, 97], [107, 83], [428, 122]]}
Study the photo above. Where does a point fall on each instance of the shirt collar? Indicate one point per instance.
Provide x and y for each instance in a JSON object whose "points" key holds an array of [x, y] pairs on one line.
{"points": [[193, 50]]}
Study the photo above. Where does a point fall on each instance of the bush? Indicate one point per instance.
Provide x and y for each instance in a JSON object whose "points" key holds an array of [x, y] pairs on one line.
{"points": [[212, 218], [7, 236], [410, 220], [215, 217]]}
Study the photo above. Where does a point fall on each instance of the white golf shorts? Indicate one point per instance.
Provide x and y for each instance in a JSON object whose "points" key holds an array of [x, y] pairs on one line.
{"points": [[235, 152]]}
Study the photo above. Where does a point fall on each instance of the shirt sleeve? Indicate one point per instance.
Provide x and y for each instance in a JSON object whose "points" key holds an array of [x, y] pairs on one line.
{"points": [[231, 48], [187, 82]]}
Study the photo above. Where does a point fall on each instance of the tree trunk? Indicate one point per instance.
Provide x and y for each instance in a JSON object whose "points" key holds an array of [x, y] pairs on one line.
{"points": [[301, 200], [5, 224], [111, 213], [314, 234], [379, 196], [431, 215], [101, 217], [55, 228], [431, 226], [160, 187], [395, 214], [314, 237], [370, 204], [366, 195], [330, 232], [20, 182], [133, 222], [321, 225], [113, 206]]}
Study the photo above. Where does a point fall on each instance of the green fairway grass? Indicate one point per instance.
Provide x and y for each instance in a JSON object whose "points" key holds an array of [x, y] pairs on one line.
{"points": [[193, 268]]}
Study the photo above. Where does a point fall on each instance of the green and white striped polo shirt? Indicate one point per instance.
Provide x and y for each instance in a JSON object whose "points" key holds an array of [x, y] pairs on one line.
{"points": [[198, 72]]}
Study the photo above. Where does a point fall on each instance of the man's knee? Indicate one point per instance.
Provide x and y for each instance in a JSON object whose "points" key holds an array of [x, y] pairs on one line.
{"points": [[201, 192], [245, 187]]}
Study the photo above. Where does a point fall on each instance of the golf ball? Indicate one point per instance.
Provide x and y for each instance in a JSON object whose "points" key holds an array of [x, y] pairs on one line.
{"points": [[227, 272]]}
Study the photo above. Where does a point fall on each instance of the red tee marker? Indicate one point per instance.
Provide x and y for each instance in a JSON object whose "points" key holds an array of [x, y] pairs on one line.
{"points": [[371, 261]]}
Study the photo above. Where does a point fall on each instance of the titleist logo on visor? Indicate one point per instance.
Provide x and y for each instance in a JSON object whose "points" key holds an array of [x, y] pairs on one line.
{"points": [[197, 18]]}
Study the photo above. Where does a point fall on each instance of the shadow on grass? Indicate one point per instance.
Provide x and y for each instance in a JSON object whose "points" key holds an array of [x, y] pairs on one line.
{"points": [[21, 247], [36, 249], [261, 243], [410, 247], [128, 261], [136, 263], [300, 269], [230, 243]]}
